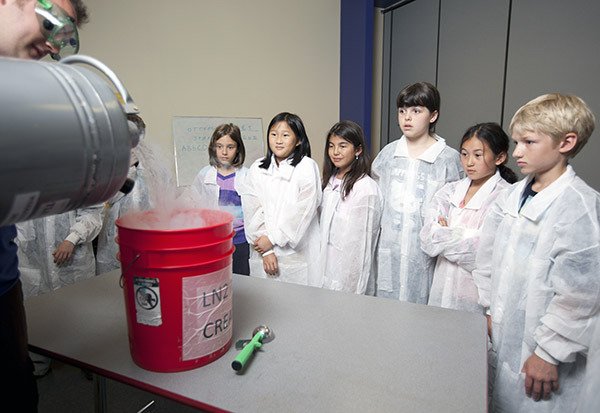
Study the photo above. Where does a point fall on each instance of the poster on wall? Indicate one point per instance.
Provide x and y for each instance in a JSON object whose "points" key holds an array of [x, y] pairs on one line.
{"points": [[191, 136]]}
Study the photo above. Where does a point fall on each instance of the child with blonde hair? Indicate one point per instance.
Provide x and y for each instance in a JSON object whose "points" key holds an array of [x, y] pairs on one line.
{"points": [[538, 265]]}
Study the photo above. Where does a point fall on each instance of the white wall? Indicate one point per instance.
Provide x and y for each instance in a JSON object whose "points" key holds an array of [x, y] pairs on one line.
{"points": [[222, 58]]}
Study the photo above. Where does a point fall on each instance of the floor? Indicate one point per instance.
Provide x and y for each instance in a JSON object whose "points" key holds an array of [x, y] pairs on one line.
{"points": [[66, 389]]}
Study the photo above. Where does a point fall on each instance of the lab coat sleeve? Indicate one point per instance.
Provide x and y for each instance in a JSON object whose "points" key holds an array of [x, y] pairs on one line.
{"points": [[254, 215], [88, 222], [433, 235], [456, 243], [566, 326], [483, 261], [299, 210]]}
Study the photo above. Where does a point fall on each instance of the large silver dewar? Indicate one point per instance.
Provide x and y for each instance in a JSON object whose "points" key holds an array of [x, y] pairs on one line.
{"points": [[65, 140]]}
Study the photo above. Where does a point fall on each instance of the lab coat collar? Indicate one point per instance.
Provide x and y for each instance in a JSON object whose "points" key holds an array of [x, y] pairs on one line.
{"points": [[430, 155], [536, 206], [284, 169], [210, 178], [480, 196]]}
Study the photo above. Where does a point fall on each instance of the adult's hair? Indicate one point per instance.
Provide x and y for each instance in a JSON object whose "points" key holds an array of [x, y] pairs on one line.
{"points": [[420, 94], [233, 131], [295, 123], [360, 166], [81, 13], [556, 115], [497, 140]]}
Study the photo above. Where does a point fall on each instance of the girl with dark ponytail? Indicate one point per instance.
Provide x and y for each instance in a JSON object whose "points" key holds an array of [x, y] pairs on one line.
{"points": [[456, 213]]}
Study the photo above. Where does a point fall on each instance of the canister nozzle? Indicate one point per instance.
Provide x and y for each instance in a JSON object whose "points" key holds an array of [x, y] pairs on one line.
{"points": [[127, 186]]}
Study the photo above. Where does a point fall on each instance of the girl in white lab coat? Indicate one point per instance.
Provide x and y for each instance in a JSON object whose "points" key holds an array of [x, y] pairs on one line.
{"points": [[219, 185], [280, 201], [350, 212], [456, 213]]}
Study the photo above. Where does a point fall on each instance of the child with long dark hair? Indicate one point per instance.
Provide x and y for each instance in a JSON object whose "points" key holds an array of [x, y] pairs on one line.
{"points": [[456, 213], [350, 211], [280, 201]]}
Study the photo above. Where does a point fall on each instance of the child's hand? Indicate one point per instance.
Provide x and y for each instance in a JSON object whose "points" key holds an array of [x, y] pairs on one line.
{"points": [[541, 378], [262, 244], [270, 264], [442, 221], [63, 252]]}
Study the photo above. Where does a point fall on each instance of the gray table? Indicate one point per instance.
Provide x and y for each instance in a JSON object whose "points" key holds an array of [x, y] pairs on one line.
{"points": [[332, 352]]}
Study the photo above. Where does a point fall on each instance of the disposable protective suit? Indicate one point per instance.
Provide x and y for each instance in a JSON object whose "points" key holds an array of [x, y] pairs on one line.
{"points": [[281, 202], [349, 231], [538, 271], [404, 271], [455, 245]]}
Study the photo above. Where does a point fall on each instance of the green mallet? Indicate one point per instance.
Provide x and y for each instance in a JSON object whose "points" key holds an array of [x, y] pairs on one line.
{"points": [[260, 335]]}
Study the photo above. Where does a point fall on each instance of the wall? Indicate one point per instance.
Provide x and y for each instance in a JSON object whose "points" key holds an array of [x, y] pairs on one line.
{"points": [[489, 58], [222, 58]]}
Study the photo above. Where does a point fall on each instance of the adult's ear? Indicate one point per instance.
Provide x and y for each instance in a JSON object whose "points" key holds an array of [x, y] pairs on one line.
{"points": [[568, 142]]}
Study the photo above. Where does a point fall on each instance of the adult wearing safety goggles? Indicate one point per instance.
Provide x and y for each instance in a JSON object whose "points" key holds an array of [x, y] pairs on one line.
{"points": [[29, 29], [32, 29]]}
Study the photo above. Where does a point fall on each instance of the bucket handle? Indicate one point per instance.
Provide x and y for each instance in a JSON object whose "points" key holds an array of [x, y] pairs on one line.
{"points": [[121, 282]]}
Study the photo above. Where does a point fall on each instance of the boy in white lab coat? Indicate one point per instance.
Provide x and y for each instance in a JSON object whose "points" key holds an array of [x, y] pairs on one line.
{"points": [[538, 267]]}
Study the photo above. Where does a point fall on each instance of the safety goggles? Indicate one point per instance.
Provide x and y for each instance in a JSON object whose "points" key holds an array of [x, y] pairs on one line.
{"points": [[58, 28]]}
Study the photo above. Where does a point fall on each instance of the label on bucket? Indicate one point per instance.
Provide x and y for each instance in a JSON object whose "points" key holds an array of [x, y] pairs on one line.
{"points": [[147, 301], [207, 312]]}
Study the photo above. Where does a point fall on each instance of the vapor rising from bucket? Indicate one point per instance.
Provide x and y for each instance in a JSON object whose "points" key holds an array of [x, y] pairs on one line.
{"points": [[172, 206]]}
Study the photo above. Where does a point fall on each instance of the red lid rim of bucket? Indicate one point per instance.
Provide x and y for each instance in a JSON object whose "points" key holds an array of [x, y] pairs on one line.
{"points": [[187, 248], [119, 224], [183, 267]]}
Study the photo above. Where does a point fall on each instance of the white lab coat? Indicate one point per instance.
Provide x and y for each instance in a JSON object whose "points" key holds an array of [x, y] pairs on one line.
{"points": [[404, 271], [38, 238], [137, 200], [455, 246], [281, 202], [589, 399], [349, 231], [539, 272], [208, 189]]}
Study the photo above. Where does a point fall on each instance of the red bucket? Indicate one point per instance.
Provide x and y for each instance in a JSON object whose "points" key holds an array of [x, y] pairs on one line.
{"points": [[177, 287]]}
